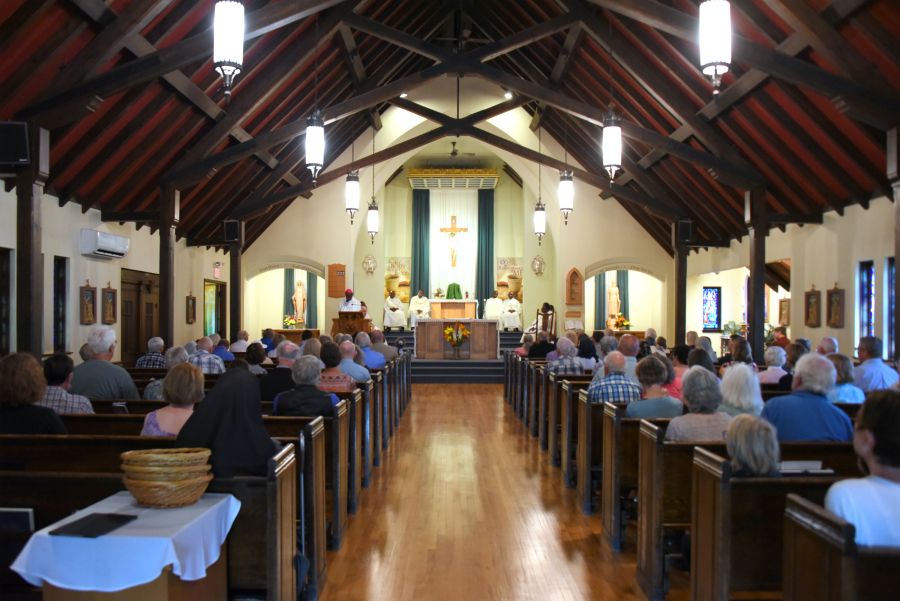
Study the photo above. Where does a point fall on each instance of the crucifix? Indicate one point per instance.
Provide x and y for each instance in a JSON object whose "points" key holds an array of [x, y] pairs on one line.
{"points": [[452, 231]]}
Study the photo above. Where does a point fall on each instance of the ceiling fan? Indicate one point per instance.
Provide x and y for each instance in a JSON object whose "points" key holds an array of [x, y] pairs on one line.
{"points": [[455, 153]]}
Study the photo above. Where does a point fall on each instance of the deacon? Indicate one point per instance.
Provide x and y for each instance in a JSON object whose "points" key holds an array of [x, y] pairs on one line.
{"points": [[393, 312], [349, 303], [419, 308], [511, 313], [493, 308]]}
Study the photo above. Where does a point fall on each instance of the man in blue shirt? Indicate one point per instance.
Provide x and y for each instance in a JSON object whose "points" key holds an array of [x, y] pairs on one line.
{"points": [[374, 359], [348, 366], [221, 351], [266, 340], [872, 373], [806, 414]]}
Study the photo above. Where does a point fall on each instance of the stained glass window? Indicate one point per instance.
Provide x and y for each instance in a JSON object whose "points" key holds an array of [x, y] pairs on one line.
{"points": [[867, 298], [712, 308], [209, 309]]}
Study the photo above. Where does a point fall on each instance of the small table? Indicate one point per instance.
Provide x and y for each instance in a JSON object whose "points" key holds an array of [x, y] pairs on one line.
{"points": [[164, 554]]}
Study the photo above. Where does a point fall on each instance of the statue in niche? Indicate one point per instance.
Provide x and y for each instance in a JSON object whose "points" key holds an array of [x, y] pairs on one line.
{"points": [[299, 300]]}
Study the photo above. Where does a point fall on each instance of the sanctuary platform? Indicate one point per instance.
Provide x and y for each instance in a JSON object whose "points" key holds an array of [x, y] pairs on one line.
{"points": [[440, 371]]}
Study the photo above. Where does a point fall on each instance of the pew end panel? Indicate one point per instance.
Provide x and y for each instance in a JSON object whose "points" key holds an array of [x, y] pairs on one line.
{"points": [[571, 385]]}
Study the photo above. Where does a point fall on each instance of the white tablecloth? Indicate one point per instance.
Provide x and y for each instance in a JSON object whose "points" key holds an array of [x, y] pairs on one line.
{"points": [[187, 538]]}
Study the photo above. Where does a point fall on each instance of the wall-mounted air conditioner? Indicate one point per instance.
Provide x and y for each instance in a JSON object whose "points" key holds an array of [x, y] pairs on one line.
{"points": [[105, 246]]}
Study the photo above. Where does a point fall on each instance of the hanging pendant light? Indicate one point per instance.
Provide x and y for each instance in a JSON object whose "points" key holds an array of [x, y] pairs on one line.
{"points": [[540, 214], [228, 42], [372, 214], [351, 194], [315, 126], [566, 191], [715, 40], [612, 143]]}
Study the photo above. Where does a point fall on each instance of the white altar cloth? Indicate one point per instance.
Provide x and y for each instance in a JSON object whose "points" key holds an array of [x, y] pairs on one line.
{"points": [[187, 538]]}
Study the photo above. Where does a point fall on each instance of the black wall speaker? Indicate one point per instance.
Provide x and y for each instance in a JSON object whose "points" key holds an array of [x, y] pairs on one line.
{"points": [[685, 231], [14, 143], [232, 231]]}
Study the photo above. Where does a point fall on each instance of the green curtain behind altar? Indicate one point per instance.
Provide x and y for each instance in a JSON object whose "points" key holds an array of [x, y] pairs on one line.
{"points": [[421, 243], [622, 283], [288, 292], [484, 271], [600, 314], [312, 304]]}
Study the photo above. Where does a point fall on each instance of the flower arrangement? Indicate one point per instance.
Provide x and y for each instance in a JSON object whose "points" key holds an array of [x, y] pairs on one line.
{"points": [[622, 322], [290, 321], [439, 293], [456, 335]]}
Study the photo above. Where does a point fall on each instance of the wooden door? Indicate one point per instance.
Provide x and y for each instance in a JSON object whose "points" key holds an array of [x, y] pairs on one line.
{"points": [[140, 314], [130, 340]]}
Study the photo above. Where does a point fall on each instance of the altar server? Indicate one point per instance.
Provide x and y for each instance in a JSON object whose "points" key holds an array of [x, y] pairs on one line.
{"points": [[511, 308], [349, 303], [493, 308], [419, 308], [393, 312]]}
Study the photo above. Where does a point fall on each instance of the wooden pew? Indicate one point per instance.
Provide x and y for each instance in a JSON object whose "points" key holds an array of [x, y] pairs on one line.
{"points": [[568, 446], [532, 392], [367, 433], [354, 448], [556, 413], [591, 447], [737, 523], [506, 373], [382, 376], [823, 563]]}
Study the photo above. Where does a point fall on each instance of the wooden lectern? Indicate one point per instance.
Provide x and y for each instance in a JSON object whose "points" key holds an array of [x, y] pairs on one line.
{"points": [[348, 322]]}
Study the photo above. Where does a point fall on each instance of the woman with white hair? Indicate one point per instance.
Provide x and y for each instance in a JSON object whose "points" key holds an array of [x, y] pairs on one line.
{"points": [[775, 358], [704, 343], [702, 394], [740, 391]]}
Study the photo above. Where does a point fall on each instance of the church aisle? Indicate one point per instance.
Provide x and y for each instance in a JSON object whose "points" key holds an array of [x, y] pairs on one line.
{"points": [[466, 506]]}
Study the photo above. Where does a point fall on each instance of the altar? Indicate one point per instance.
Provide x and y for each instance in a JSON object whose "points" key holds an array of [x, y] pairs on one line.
{"points": [[483, 343], [453, 309]]}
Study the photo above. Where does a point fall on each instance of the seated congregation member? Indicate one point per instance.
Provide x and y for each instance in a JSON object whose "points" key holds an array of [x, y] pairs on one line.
{"points": [[872, 373], [662, 346], [58, 374], [306, 399], [679, 357], [652, 374], [394, 316], [279, 338], [690, 339], [699, 357], [554, 354], [753, 447], [373, 359], [805, 343], [312, 348], [567, 363], [279, 379], [240, 345], [221, 351], [806, 414], [360, 357], [239, 364], [324, 339], [379, 345], [587, 353], [614, 387], [542, 347], [596, 337], [740, 353], [22, 386], [780, 336], [844, 390], [630, 346], [793, 353], [99, 378], [332, 379], [871, 503], [85, 352], [205, 360], [704, 343], [608, 344], [267, 340], [174, 356], [229, 423], [702, 394], [182, 389], [154, 358], [740, 391], [672, 385], [827, 345], [306, 335], [191, 348], [348, 367], [256, 355], [527, 342], [214, 338], [775, 358]]}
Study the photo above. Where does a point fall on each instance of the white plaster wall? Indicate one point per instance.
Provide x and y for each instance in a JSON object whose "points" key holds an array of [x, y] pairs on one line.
{"points": [[61, 236], [733, 283]]}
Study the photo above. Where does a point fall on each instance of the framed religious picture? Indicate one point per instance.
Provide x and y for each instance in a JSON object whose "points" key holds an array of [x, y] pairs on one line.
{"points": [[191, 306], [784, 312], [812, 308], [87, 304], [835, 307], [110, 300]]}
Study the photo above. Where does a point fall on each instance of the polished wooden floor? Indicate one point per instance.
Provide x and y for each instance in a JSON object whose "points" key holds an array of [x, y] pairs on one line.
{"points": [[465, 506]]}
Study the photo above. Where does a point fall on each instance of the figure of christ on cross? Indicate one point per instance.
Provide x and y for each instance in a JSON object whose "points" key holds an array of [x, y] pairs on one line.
{"points": [[452, 231]]}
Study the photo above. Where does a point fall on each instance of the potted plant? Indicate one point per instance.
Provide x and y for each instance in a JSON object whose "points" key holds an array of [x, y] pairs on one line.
{"points": [[622, 322], [290, 322], [456, 335]]}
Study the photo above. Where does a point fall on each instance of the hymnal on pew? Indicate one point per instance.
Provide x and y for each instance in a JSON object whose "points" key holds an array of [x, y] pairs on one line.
{"points": [[799, 468], [94, 525]]}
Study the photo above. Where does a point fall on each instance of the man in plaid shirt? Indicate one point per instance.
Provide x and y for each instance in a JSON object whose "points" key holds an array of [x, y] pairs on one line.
{"points": [[567, 364], [58, 373], [155, 357], [615, 387], [206, 361]]}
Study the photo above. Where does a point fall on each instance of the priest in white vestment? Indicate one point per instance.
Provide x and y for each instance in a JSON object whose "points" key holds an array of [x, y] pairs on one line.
{"points": [[511, 310], [493, 308], [419, 308], [394, 316]]}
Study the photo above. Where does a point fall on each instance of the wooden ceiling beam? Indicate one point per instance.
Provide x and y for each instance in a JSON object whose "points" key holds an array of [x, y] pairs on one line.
{"points": [[777, 218], [559, 70], [20, 21], [357, 69]]}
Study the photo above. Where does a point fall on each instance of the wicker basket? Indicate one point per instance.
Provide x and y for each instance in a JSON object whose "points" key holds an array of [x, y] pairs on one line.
{"points": [[165, 473], [166, 457], [176, 493]]}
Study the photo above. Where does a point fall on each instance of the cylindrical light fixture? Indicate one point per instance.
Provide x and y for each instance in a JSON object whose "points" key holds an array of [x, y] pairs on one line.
{"points": [[351, 194], [540, 221], [566, 194], [315, 144], [715, 40], [372, 219], [612, 143], [228, 42]]}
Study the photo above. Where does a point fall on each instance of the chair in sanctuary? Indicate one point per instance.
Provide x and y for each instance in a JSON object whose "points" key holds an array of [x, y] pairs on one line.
{"points": [[547, 322], [453, 292]]}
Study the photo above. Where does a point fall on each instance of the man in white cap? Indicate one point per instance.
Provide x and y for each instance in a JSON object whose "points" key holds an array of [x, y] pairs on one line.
{"points": [[349, 303]]}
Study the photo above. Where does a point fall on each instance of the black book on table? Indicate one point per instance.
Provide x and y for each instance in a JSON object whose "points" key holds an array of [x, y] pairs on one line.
{"points": [[94, 525]]}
